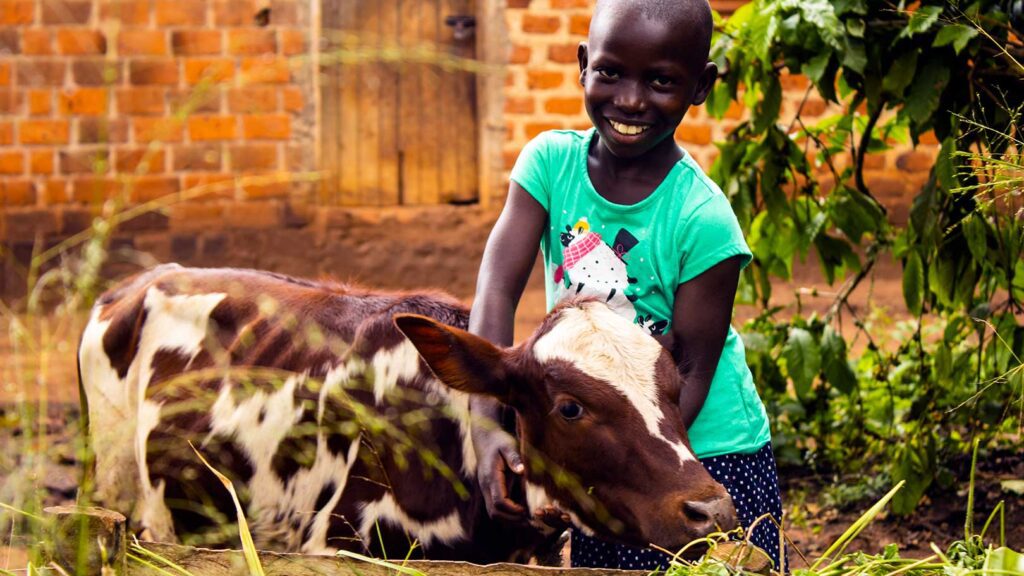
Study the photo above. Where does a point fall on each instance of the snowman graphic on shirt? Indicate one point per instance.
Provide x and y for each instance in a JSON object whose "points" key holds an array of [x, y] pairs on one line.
{"points": [[591, 267]]}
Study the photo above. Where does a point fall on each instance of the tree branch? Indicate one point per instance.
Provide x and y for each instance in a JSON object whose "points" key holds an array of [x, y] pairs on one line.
{"points": [[862, 150]]}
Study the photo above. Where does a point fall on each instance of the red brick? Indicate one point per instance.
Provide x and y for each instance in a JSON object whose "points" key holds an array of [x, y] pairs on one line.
{"points": [[197, 157], [267, 127], [9, 43], [208, 70], [579, 24], [234, 12], [157, 129], [180, 12], [253, 215], [518, 4], [536, 24], [149, 188], [882, 185], [148, 72], [251, 42], [291, 42], [570, 106], [250, 157], [205, 128], [93, 189], [915, 161], [17, 12], [36, 42], [929, 138], [195, 215], [284, 13], [563, 53], [40, 72], [127, 12], [85, 161], [19, 193], [66, 11], [292, 99], [795, 82], [55, 192], [196, 42], [142, 42], [10, 102], [543, 80], [265, 71], [139, 161], [266, 190], [569, 4], [43, 131], [144, 101], [80, 41], [198, 100], [100, 130], [41, 161], [813, 108], [5, 74], [12, 162], [534, 128], [96, 72], [873, 161], [6, 133], [518, 54], [83, 102], [252, 99], [693, 133], [207, 187]]}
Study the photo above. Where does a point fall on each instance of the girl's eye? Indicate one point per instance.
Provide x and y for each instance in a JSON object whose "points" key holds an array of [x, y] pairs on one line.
{"points": [[570, 410], [607, 73]]}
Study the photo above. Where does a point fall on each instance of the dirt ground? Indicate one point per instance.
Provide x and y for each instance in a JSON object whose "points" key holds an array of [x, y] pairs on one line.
{"points": [[812, 525]]}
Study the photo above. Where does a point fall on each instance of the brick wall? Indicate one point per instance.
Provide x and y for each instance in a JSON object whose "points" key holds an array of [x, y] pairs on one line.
{"points": [[94, 96], [542, 92]]}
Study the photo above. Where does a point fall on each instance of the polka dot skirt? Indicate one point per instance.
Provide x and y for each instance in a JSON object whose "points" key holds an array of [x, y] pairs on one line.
{"points": [[753, 483]]}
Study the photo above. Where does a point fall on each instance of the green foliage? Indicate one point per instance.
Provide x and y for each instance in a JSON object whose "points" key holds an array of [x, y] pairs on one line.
{"points": [[892, 72]]}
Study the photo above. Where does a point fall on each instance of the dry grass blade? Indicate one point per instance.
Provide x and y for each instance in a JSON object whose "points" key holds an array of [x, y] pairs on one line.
{"points": [[844, 540], [252, 558], [383, 563]]}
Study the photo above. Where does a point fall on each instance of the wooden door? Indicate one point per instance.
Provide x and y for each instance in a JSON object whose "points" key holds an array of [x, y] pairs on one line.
{"points": [[399, 102]]}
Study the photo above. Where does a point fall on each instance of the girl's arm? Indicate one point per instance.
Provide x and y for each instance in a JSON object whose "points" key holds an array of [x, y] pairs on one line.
{"points": [[507, 261], [700, 323]]}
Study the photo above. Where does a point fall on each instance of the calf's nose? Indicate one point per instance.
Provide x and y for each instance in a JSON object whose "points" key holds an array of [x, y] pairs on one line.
{"points": [[707, 516]]}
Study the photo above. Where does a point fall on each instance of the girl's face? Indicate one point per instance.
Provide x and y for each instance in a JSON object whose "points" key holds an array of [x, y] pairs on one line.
{"points": [[640, 76]]}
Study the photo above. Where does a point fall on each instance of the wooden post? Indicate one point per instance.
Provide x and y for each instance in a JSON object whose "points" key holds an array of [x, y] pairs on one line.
{"points": [[88, 540]]}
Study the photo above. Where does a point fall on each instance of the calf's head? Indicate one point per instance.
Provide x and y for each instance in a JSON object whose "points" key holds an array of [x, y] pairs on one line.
{"points": [[597, 406]]}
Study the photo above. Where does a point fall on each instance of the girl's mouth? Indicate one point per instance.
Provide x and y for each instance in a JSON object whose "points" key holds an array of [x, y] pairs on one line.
{"points": [[627, 129]]}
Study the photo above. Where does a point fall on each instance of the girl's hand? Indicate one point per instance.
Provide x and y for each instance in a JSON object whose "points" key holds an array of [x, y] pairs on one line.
{"points": [[496, 455]]}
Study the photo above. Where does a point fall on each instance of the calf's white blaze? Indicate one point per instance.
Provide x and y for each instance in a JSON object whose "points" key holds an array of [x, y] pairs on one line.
{"points": [[606, 346], [391, 365]]}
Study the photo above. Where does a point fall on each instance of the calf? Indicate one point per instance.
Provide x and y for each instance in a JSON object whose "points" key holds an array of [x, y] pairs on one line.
{"points": [[342, 417]]}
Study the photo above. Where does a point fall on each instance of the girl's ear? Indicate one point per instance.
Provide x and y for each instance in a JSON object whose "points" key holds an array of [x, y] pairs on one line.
{"points": [[705, 83], [581, 55]]}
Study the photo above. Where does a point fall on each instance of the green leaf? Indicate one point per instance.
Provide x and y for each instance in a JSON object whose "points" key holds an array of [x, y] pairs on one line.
{"points": [[927, 87], [856, 57], [815, 67], [855, 214], [835, 364], [900, 74], [921, 20], [945, 172], [913, 282], [1004, 561], [835, 255], [942, 280], [803, 360], [976, 234], [956, 34], [855, 27], [718, 100], [766, 112]]}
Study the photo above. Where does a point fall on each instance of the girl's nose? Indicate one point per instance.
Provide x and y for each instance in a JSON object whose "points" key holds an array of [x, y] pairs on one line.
{"points": [[630, 98]]}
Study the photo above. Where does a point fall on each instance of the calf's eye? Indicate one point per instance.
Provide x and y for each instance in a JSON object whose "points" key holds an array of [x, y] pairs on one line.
{"points": [[570, 410]]}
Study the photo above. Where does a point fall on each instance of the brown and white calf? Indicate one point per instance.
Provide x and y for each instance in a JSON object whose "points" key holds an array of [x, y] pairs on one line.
{"points": [[341, 415]]}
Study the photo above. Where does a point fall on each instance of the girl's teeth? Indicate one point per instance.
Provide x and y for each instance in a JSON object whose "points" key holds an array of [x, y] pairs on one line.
{"points": [[627, 129]]}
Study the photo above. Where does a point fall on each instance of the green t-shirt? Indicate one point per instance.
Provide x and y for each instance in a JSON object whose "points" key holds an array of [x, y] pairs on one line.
{"points": [[635, 257]]}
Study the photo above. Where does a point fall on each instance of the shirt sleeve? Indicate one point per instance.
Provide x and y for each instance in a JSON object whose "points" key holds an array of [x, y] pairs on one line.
{"points": [[532, 170], [711, 234]]}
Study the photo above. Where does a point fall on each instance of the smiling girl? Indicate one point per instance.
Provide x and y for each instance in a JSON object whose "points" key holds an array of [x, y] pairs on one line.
{"points": [[622, 213]]}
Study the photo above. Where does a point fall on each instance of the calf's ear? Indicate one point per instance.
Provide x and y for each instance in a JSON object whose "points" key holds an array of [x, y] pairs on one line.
{"points": [[460, 360]]}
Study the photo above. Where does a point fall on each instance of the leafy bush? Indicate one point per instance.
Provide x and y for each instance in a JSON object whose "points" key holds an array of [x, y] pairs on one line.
{"points": [[893, 72]]}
